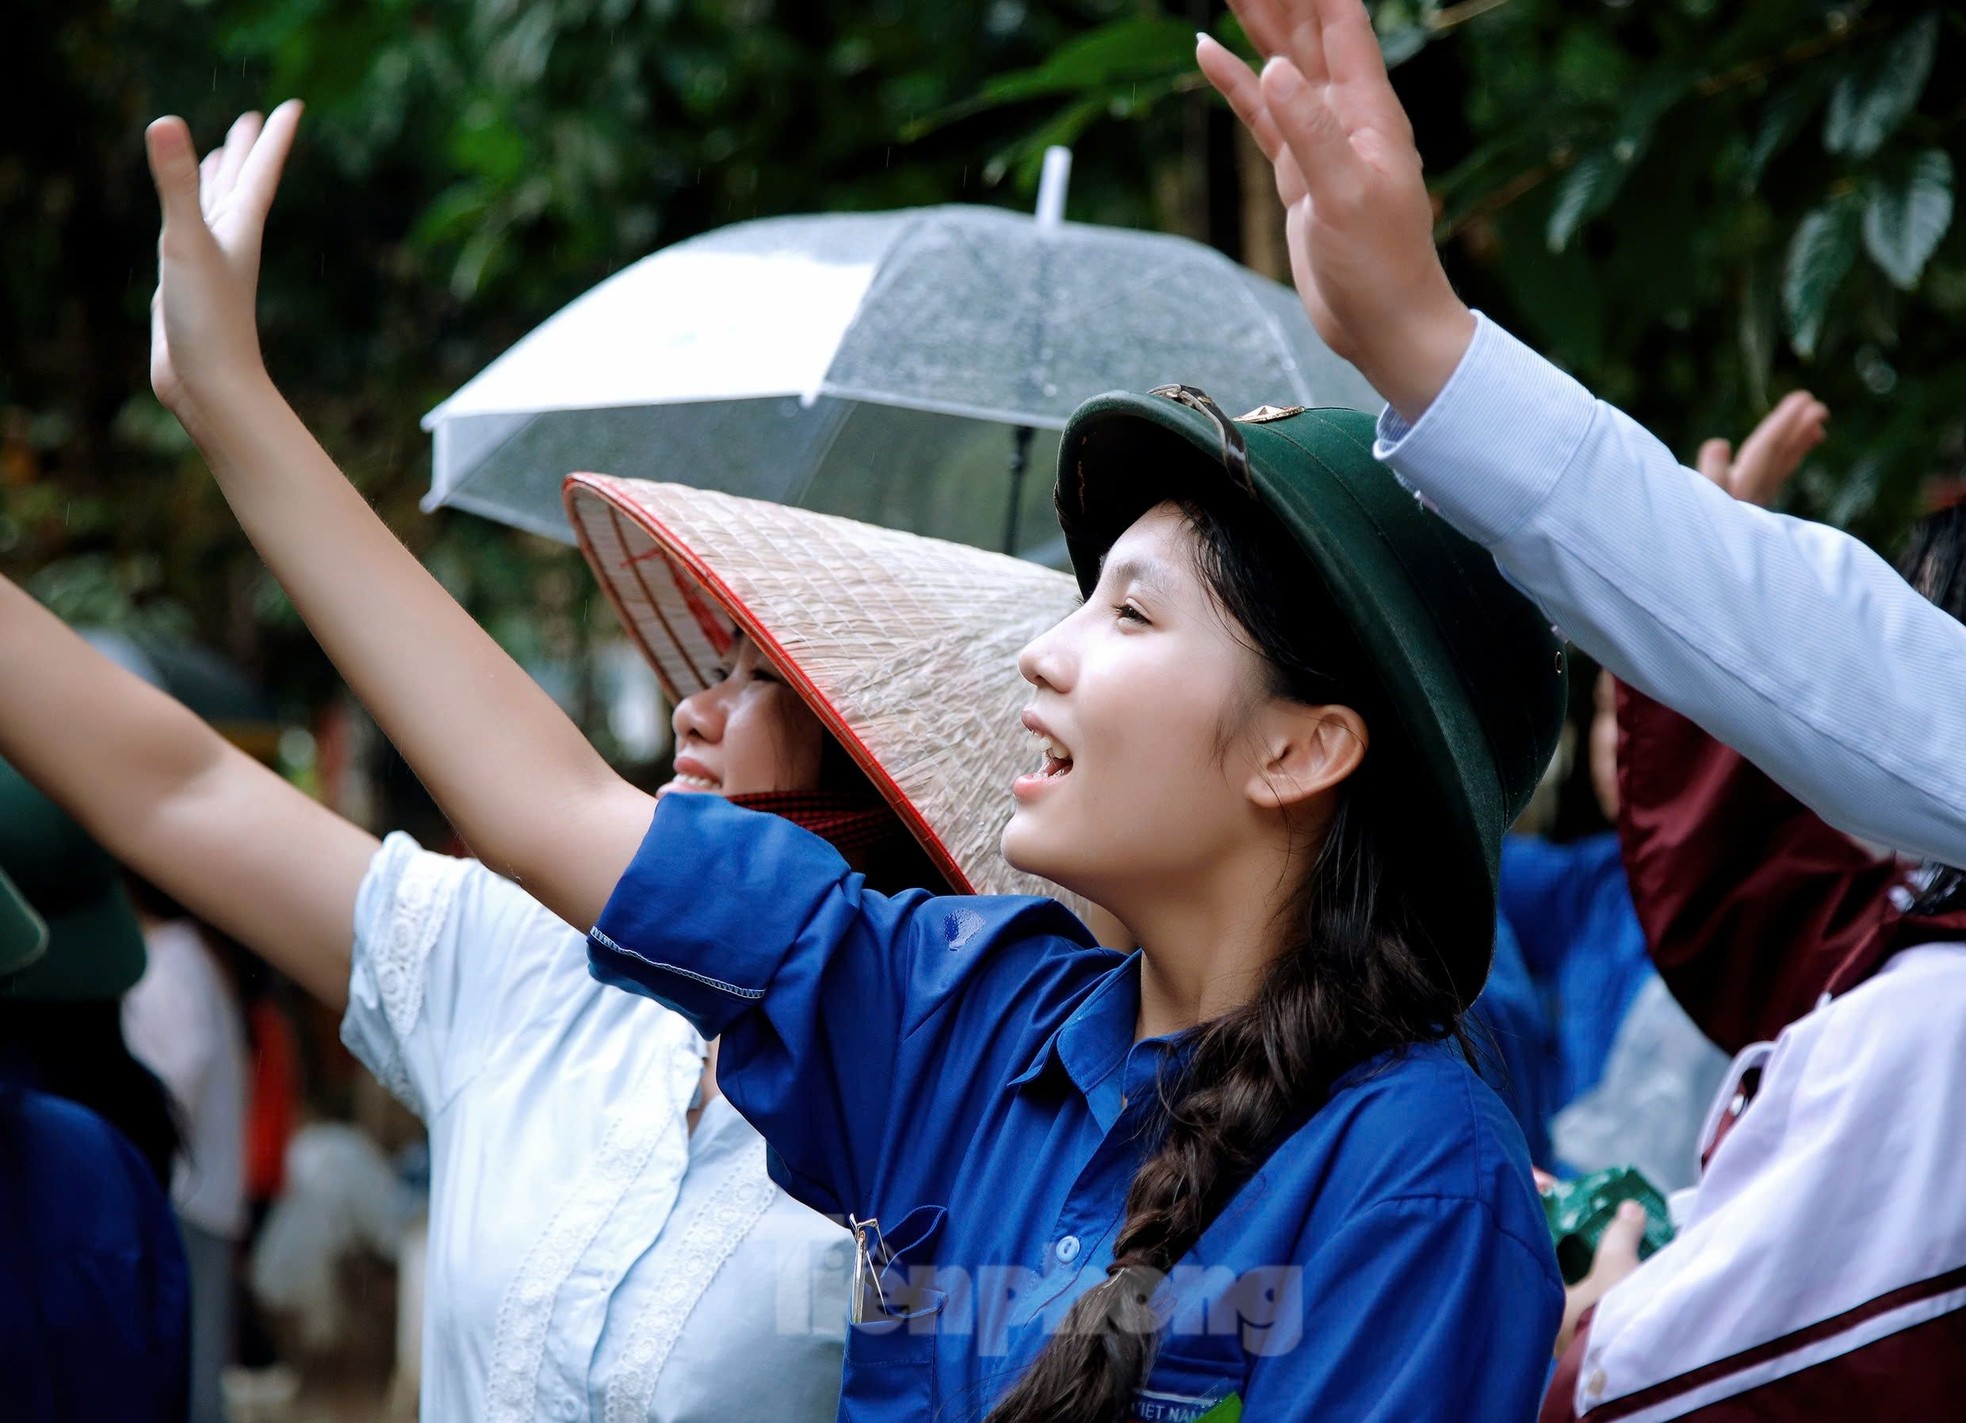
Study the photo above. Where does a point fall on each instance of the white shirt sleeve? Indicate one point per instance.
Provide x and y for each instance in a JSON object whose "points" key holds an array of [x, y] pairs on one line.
{"points": [[449, 961], [1790, 641]]}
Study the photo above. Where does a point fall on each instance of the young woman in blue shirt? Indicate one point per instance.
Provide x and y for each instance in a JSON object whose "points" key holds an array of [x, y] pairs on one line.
{"points": [[1244, 1171]]}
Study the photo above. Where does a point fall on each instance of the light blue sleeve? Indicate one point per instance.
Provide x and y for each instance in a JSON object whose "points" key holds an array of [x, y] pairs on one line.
{"points": [[1788, 640], [1423, 1308], [449, 961]]}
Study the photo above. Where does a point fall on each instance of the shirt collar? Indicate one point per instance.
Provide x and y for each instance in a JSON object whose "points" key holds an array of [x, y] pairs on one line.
{"points": [[1096, 1037]]}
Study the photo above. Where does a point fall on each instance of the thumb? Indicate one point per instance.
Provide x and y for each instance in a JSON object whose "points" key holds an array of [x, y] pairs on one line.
{"points": [[1715, 460], [174, 169], [1617, 1248]]}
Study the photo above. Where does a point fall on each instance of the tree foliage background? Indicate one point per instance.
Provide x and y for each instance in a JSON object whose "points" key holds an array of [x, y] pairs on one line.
{"points": [[1694, 205]]}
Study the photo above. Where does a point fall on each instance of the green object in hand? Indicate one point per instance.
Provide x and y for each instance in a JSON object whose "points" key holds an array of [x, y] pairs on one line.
{"points": [[1579, 1210]]}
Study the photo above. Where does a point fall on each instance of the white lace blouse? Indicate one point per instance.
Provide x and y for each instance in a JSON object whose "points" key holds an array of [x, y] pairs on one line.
{"points": [[589, 1258]]}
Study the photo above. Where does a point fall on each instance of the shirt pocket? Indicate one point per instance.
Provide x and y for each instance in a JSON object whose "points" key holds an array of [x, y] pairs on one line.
{"points": [[889, 1368], [1190, 1386]]}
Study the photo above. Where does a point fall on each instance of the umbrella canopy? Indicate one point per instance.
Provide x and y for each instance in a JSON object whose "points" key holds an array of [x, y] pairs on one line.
{"points": [[869, 365]]}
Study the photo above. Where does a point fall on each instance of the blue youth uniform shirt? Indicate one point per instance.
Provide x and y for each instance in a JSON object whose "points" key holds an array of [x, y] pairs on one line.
{"points": [[94, 1304], [965, 1071], [1571, 910]]}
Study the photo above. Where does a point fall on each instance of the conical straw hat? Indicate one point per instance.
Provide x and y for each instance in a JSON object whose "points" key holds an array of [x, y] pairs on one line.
{"points": [[905, 647]]}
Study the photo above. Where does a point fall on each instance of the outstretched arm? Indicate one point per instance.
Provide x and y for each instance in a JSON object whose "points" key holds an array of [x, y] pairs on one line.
{"points": [[1788, 640], [515, 776], [171, 798]]}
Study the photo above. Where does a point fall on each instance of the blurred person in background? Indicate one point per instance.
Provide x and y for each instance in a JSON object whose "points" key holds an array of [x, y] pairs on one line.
{"points": [[94, 1309], [1821, 1265], [182, 1020]]}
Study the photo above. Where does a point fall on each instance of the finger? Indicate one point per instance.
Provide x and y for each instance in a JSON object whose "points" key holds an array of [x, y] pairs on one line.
{"points": [[239, 141], [1545, 1182], [208, 182], [1312, 134], [259, 178], [1617, 1248], [174, 169], [1264, 24], [1357, 68], [1715, 461], [1237, 82]]}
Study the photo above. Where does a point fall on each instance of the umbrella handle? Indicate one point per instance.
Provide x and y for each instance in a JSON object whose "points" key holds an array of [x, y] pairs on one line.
{"points": [[1020, 461]]}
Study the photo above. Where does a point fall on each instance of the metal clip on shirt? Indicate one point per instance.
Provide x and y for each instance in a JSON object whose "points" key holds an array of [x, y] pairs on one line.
{"points": [[867, 1298]]}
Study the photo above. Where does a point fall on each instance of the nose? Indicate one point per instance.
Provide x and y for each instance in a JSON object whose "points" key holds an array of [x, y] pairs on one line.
{"points": [[1046, 659], [699, 716]]}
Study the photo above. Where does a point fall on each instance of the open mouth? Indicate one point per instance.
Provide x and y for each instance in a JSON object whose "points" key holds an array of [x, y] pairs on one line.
{"points": [[1057, 759], [683, 782]]}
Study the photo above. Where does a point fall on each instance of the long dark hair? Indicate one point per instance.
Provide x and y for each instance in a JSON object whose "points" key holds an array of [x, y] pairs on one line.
{"points": [[1359, 973], [1934, 562]]}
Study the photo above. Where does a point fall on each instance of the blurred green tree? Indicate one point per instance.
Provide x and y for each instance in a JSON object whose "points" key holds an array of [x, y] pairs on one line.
{"points": [[466, 168], [1694, 206]]}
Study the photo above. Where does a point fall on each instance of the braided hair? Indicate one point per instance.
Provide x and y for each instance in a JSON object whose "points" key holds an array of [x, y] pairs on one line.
{"points": [[1358, 973]]}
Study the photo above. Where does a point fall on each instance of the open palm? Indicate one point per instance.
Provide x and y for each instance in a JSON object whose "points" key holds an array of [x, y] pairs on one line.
{"points": [[203, 328], [1360, 218]]}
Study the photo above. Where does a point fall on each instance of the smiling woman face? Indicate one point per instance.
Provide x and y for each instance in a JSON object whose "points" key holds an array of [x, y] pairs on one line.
{"points": [[746, 734], [1137, 697]]}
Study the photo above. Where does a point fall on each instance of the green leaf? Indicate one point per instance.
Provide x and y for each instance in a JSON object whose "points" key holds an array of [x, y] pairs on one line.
{"points": [[1122, 52], [1904, 219], [1871, 100], [1587, 190], [1782, 118], [1820, 256]]}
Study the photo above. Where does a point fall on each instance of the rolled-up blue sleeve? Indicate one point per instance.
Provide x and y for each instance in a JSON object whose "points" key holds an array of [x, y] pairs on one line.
{"points": [[1789, 641], [833, 1002], [1423, 1308]]}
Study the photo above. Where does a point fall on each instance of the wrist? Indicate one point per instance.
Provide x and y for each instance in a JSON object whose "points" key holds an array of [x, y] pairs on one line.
{"points": [[211, 406], [1414, 362]]}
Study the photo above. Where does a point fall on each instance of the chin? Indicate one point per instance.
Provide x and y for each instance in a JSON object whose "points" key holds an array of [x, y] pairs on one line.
{"points": [[1034, 850]]}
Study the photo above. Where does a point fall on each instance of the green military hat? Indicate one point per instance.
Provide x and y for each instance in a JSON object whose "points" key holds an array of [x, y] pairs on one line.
{"points": [[94, 944], [1469, 671]]}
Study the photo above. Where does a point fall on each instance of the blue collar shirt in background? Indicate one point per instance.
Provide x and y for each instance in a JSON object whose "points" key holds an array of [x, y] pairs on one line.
{"points": [[94, 1304], [1571, 910], [965, 1071]]}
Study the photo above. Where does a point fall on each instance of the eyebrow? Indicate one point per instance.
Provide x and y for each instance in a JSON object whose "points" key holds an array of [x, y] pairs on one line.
{"points": [[1136, 570]]}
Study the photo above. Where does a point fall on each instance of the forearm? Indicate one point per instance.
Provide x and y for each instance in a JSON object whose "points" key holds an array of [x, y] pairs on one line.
{"points": [[514, 775], [1789, 641], [168, 796]]}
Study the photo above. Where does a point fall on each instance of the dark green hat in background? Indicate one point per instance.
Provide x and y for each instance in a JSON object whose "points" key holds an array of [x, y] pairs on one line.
{"points": [[94, 942], [23, 933], [1468, 670]]}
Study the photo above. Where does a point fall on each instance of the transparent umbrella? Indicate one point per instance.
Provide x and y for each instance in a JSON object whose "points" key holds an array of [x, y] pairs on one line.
{"points": [[901, 368]]}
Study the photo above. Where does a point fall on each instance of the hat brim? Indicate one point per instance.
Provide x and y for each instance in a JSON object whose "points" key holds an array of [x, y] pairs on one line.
{"points": [[23, 933], [95, 954], [904, 647], [1360, 566]]}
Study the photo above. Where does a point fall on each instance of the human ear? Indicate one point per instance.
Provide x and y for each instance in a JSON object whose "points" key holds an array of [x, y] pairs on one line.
{"points": [[1304, 752]]}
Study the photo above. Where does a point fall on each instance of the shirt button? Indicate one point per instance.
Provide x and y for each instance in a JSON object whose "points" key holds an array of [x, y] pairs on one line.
{"points": [[568, 1409], [1068, 1249]]}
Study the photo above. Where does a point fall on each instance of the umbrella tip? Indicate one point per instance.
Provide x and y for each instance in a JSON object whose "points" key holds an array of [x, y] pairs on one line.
{"points": [[1052, 183]]}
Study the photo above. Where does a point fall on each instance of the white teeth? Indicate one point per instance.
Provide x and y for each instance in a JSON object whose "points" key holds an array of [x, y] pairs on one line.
{"points": [[701, 783]]}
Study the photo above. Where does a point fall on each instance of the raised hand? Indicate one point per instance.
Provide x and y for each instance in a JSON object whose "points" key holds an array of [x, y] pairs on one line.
{"points": [[1771, 454], [1360, 221], [204, 335]]}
